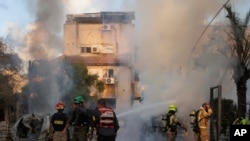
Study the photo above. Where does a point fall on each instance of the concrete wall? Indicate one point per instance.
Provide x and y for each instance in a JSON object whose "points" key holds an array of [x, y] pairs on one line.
{"points": [[5, 134], [118, 38], [121, 89], [115, 41]]}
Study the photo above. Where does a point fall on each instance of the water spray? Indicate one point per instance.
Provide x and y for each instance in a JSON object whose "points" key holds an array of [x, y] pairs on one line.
{"points": [[141, 109]]}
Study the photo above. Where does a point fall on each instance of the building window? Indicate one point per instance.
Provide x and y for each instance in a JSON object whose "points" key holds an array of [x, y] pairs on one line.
{"points": [[85, 49], [110, 73]]}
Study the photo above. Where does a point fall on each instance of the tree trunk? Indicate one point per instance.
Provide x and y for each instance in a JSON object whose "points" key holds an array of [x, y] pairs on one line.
{"points": [[241, 93]]}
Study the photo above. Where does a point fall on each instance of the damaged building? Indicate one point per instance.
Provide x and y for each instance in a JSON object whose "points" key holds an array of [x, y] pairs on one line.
{"points": [[104, 42]]}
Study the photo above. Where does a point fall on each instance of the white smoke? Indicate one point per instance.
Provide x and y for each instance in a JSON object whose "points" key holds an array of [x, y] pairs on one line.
{"points": [[166, 32]]}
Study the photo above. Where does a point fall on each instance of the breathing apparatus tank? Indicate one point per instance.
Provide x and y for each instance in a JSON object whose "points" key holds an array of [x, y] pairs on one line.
{"points": [[192, 117], [164, 120]]}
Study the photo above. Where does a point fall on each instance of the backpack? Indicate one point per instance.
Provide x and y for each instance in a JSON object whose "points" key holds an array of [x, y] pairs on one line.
{"points": [[196, 127]]}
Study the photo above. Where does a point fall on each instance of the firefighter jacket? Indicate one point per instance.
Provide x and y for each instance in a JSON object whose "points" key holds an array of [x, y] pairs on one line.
{"points": [[106, 122], [58, 121], [79, 117], [173, 122], [203, 117]]}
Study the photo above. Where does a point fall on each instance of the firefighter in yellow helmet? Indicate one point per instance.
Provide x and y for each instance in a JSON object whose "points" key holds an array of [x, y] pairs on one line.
{"points": [[57, 124], [172, 123], [241, 120]]}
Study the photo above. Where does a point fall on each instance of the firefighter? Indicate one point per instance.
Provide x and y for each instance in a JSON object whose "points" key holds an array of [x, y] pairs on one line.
{"points": [[57, 124], [194, 124], [172, 123], [106, 122], [80, 120], [204, 115], [241, 120]]}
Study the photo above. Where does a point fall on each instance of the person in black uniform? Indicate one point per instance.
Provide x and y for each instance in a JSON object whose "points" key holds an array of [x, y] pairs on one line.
{"points": [[57, 124], [81, 121], [106, 122]]}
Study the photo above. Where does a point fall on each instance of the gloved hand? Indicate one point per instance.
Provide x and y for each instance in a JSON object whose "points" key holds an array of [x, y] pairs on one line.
{"points": [[208, 105], [184, 127], [50, 136], [90, 135]]}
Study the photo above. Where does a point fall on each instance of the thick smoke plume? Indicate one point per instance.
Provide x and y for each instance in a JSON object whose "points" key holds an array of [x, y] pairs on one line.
{"points": [[44, 40], [166, 31]]}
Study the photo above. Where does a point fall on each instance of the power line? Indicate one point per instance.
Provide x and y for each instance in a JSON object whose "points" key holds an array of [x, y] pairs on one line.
{"points": [[207, 28]]}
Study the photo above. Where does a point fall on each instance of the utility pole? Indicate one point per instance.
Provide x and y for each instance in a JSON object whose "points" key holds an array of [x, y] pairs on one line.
{"points": [[215, 121]]}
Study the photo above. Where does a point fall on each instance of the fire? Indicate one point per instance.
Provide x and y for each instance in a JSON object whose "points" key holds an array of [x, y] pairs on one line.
{"points": [[16, 80]]}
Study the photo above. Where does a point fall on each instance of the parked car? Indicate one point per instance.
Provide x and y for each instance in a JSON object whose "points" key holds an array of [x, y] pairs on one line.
{"points": [[31, 127]]}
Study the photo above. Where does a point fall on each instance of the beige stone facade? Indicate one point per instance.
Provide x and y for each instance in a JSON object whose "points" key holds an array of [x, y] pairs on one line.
{"points": [[104, 42]]}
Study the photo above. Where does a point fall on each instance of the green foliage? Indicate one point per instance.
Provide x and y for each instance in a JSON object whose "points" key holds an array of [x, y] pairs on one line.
{"points": [[60, 76], [100, 86], [81, 82], [239, 41]]}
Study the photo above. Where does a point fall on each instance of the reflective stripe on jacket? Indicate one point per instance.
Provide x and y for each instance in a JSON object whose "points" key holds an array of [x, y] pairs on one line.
{"points": [[58, 121], [106, 118]]}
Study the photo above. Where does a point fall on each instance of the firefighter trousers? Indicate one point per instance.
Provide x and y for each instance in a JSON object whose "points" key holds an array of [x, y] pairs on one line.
{"points": [[204, 135], [171, 136]]}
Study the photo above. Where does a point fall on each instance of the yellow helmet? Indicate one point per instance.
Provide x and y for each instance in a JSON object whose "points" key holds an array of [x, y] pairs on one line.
{"points": [[243, 121], [172, 107], [192, 113]]}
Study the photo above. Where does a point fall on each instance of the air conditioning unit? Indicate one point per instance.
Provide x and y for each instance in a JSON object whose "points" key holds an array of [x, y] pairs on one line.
{"points": [[95, 50], [106, 27], [110, 81]]}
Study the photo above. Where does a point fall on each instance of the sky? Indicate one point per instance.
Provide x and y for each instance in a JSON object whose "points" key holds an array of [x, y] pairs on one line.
{"points": [[165, 32], [16, 11], [18, 18]]}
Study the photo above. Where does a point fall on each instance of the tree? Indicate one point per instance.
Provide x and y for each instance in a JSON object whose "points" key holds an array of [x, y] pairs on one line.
{"points": [[240, 50], [229, 110], [82, 81], [10, 68], [11, 79], [60, 77]]}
